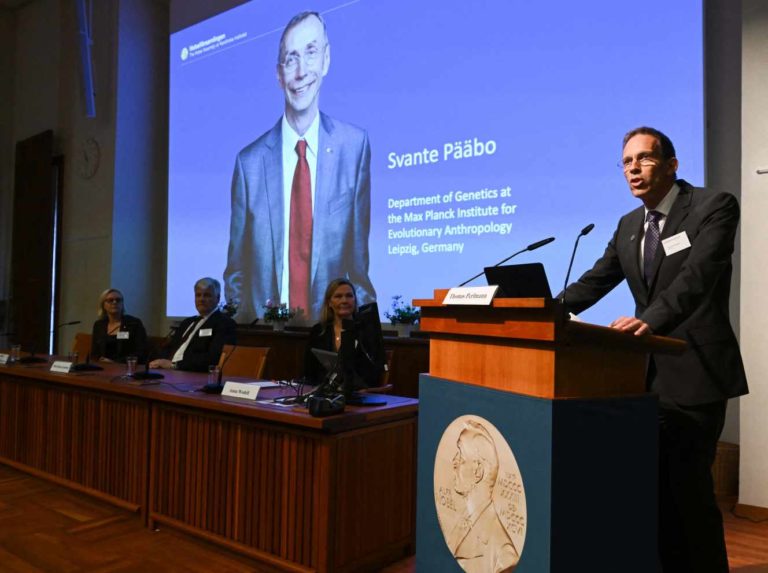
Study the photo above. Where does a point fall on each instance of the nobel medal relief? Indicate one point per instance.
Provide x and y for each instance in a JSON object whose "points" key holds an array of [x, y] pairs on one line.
{"points": [[479, 496]]}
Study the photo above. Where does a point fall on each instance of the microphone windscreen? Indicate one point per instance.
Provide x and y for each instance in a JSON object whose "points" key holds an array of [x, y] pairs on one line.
{"points": [[541, 243]]}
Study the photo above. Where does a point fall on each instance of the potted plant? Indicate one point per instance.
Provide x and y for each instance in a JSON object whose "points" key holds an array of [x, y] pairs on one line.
{"points": [[230, 308], [278, 314], [402, 315]]}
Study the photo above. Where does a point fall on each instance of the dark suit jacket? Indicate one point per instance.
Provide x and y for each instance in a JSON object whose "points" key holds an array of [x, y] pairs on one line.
{"points": [[340, 224], [203, 351], [109, 346], [366, 373], [687, 296]]}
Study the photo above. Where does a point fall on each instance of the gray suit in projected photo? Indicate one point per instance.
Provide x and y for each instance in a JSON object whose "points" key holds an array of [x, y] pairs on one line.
{"points": [[300, 192]]}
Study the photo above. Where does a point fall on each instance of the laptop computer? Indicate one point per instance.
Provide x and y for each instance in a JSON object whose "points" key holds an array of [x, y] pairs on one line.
{"points": [[519, 281]]}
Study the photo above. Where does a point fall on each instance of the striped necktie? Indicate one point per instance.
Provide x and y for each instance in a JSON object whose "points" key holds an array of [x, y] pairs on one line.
{"points": [[652, 235]]}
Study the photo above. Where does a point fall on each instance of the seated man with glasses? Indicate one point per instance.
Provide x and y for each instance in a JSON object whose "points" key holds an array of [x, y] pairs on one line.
{"points": [[675, 254], [300, 192]]}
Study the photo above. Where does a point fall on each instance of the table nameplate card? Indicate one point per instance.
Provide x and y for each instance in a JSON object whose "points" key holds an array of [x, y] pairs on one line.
{"points": [[241, 390], [61, 366]]}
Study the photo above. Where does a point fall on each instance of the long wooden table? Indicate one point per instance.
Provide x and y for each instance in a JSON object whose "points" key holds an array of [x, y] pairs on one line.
{"points": [[297, 492]]}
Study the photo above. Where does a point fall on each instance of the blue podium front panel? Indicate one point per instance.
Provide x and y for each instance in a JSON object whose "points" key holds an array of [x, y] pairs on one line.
{"points": [[513, 483]]}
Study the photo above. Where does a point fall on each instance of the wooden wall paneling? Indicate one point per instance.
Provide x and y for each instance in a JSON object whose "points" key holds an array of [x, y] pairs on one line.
{"points": [[32, 252], [325, 506], [411, 358]]}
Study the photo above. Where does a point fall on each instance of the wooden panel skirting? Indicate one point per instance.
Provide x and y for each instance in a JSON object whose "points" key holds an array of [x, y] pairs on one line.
{"points": [[117, 502], [159, 519], [290, 498], [235, 480], [751, 512], [725, 470], [94, 442]]}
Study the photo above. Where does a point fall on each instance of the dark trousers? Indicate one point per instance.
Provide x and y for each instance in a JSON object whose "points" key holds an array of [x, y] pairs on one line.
{"points": [[691, 538]]}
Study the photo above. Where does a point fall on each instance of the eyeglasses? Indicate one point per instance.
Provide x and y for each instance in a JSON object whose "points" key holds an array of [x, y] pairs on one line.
{"points": [[310, 56], [113, 300], [643, 159]]}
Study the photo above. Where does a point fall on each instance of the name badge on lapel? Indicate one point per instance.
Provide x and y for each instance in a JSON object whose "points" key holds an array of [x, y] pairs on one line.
{"points": [[676, 243], [123, 335], [205, 332]]}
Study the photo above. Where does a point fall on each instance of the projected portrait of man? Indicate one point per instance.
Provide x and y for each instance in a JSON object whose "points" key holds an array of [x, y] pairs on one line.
{"points": [[479, 541], [300, 192]]}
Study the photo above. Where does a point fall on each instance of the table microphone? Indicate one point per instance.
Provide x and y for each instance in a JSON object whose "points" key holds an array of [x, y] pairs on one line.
{"points": [[218, 387], [531, 247], [147, 374], [585, 231], [86, 366]]}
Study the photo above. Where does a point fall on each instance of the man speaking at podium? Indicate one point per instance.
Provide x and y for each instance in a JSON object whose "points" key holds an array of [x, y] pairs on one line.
{"points": [[675, 253], [300, 192]]}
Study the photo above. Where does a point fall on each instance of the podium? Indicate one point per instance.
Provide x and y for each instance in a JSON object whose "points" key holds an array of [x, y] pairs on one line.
{"points": [[537, 442]]}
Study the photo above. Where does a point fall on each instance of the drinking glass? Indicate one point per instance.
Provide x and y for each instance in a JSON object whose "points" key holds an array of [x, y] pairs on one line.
{"points": [[213, 374], [130, 365]]}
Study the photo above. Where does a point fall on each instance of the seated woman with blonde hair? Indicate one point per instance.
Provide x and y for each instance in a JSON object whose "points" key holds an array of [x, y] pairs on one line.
{"points": [[339, 306], [116, 334]]}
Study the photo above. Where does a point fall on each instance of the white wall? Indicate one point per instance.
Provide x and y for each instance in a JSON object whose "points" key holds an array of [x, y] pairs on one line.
{"points": [[86, 222], [722, 88], [139, 217], [754, 278]]}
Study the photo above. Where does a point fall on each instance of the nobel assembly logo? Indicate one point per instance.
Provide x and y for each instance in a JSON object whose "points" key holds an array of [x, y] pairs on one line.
{"points": [[210, 45]]}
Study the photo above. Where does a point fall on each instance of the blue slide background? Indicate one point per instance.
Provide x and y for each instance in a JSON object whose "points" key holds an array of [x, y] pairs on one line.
{"points": [[555, 85]]}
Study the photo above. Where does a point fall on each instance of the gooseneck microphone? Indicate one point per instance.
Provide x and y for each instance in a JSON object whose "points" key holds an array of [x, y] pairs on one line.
{"points": [[154, 353], [531, 247], [70, 323], [585, 231], [218, 386]]}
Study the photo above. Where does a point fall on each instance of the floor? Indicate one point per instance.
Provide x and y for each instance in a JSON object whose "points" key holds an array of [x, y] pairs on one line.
{"points": [[48, 528]]}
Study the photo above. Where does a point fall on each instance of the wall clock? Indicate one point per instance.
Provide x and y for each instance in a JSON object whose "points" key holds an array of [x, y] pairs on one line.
{"points": [[88, 158]]}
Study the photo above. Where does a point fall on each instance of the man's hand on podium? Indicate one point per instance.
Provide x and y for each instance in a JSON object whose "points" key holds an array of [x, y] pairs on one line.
{"points": [[631, 324]]}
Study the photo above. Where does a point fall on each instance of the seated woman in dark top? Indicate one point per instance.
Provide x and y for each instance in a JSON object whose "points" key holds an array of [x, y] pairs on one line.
{"points": [[339, 304], [116, 334]]}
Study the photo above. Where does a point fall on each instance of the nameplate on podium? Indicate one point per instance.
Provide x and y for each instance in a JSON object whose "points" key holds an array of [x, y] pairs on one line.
{"points": [[476, 296]]}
